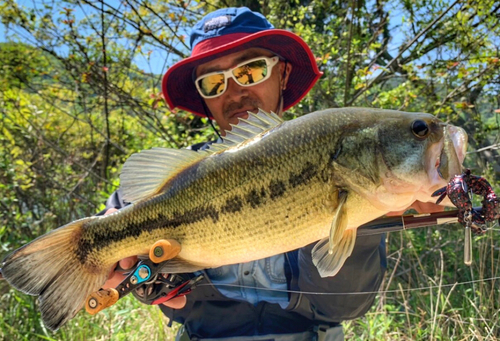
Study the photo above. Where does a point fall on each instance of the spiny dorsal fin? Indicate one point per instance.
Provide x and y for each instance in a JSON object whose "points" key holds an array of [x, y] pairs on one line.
{"points": [[247, 129], [144, 173], [263, 120]]}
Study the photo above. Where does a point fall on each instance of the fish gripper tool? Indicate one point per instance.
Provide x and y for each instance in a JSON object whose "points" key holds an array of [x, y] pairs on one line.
{"points": [[145, 272], [166, 287]]}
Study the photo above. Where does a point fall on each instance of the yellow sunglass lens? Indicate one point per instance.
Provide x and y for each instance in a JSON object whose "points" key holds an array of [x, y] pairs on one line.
{"points": [[251, 73], [212, 84]]}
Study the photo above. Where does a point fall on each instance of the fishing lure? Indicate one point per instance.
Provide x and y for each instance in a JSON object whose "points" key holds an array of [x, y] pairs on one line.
{"points": [[459, 189]]}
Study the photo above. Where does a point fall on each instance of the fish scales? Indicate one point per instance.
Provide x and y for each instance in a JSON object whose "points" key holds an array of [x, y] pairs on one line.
{"points": [[314, 178], [274, 171]]}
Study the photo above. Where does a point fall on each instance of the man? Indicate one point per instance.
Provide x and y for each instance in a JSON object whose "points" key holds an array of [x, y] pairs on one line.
{"points": [[240, 63]]}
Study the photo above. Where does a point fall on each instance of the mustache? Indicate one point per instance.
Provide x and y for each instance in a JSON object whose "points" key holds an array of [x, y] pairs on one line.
{"points": [[245, 102]]}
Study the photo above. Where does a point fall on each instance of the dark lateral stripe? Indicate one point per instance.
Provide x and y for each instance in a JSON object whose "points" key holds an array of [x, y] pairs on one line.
{"points": [[307, 173], [104, 237], [276, 189], [232, 205], [255, 198]]}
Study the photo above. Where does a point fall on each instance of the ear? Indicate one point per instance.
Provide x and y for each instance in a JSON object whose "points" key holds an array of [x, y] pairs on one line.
{"points": [[286, 73]]}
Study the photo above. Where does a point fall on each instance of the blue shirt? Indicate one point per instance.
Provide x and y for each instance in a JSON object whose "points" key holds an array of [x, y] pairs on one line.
{"points": [[247, 280]]}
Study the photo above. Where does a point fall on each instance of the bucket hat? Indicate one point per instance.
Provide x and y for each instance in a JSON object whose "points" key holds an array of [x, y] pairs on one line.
{"points": [[231, 30]]}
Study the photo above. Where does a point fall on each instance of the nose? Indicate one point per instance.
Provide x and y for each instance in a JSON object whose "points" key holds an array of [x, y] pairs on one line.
{"points": [[235, 90]]}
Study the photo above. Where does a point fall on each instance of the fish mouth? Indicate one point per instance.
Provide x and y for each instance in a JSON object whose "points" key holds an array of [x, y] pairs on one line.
{"points": [[453, 150]]}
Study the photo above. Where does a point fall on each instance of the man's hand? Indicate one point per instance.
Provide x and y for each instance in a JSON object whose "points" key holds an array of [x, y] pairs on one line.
{"points": [[420, 207], [115, 278]]}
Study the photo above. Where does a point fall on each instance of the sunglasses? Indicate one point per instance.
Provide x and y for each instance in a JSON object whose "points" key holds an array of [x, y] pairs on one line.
{"points": [[248, 73]]}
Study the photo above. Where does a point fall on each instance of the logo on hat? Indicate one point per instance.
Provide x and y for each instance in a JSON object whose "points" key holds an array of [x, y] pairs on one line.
{"points": [[217, 22]]}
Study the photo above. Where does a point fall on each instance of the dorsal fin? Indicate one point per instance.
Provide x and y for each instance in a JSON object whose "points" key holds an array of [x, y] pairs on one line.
{"points": [[145, 172], [247, 129]]}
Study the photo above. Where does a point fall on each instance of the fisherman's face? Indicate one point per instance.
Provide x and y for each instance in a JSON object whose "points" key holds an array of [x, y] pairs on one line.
{"points": [[237, 100]]}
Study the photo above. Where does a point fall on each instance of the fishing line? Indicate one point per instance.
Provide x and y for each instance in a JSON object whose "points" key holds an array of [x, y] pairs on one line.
{"points": [[431, 287]]}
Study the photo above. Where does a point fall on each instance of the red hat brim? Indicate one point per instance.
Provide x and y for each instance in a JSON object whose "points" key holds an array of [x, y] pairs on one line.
{"points": [[178, 84]]}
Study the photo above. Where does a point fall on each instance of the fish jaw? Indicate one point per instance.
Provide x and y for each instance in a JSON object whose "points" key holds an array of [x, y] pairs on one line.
{"points": [[445, 158], [460, 139]]}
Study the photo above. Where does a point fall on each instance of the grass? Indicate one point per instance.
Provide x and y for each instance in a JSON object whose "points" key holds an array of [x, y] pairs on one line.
{"points": [[127, 320], [427, 294]]}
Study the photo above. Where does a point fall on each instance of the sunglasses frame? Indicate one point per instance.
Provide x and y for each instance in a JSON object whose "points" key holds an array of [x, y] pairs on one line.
{"points": [[270, 63]]}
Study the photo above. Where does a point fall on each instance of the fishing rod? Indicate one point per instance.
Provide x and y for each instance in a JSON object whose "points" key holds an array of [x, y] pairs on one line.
{"points": [[407, 222], [404, 222]]}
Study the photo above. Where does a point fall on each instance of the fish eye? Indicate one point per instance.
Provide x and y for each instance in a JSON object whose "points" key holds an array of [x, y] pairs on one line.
{"points": [[420, 128]]}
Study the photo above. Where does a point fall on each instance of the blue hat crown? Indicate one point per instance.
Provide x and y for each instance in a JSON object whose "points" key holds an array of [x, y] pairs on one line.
{"points": [[227, 21]]}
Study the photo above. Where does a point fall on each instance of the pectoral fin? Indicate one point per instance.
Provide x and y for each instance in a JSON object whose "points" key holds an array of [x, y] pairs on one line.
{"points": [[339, 222], [329, 264], [329, 254]]}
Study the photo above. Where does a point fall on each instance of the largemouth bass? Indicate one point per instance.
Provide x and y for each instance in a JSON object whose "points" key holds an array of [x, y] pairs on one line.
{"points": [[271, 187]]}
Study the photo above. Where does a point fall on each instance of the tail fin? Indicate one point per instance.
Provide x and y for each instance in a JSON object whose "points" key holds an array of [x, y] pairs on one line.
{"points": [[49, 266]]}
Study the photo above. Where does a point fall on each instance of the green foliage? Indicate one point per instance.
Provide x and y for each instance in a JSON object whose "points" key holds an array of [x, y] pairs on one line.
{"points": [[128, 320], [80, 92], [21, 65], [430, 294]]}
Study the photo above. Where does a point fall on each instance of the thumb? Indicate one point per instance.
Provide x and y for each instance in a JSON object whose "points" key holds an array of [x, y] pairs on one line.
{"points": [[176, 303]]}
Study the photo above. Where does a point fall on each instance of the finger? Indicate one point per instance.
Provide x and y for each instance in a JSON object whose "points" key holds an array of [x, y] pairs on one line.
{"points": [[111, 210], [113, 281], [427, 207], [128, 262], [176, 303], [396, 213]]}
